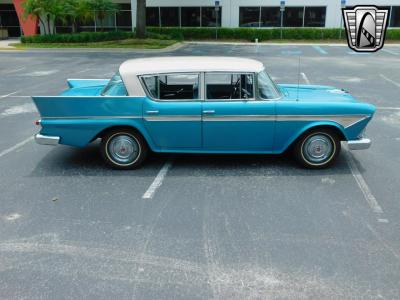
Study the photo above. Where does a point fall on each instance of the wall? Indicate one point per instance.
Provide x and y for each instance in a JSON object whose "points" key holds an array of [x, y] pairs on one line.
{"points": [[230, 11]]}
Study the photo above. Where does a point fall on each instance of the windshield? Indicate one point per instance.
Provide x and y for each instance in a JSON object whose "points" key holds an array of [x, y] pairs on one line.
{"points": [[267, 89], [115, 87]]}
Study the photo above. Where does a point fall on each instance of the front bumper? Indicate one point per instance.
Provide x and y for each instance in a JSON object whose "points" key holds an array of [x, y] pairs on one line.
{"points": [[360, 144], [47, 139]]}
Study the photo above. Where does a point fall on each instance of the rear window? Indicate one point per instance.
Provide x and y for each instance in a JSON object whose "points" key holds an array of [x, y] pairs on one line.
{"points": [[115, 87]]}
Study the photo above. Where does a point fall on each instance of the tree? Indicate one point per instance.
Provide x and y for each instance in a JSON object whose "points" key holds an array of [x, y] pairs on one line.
{"points": [[101, 8], [74, 11], [46, 11], [141, 19]]}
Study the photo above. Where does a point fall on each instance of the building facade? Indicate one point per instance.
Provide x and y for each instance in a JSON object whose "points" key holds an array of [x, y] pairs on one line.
{"points": [[202, 13]]}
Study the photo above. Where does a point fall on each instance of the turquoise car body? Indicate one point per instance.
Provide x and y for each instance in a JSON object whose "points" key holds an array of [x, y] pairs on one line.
{"points": [[80, 114]]}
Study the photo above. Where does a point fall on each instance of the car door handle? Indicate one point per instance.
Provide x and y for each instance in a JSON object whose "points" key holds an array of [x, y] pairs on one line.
{"points": [[208, 112], [151, 112]]}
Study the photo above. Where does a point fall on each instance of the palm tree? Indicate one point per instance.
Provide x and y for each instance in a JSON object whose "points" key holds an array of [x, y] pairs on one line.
{"points": [[101, 8], [141, 19], [74, 11], [38, 9], [46, 11]]}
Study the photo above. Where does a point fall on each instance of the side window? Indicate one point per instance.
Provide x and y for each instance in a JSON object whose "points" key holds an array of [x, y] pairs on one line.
{"points": [[173, 86], [229, 86]]}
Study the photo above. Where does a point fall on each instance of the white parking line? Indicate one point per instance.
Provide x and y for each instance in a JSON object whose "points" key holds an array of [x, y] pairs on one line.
{"points": [[319, 49], [13, 70], [391, 52], [157, 181], [305, 78], [10, 94], [390, 80], [18, 96], [15, 147], [387, 108], [362, 184]]}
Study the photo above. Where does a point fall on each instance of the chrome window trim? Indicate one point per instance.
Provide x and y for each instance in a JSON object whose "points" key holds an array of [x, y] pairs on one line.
{"points": [[148, 94], [228, 100], [275, 85]]}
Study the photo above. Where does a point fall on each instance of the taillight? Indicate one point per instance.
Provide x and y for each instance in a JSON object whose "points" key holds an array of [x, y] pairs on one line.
{"points": [[37, 122]]}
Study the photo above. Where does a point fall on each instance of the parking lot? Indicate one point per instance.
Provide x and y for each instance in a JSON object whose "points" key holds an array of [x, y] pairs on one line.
{"points": [[199, 226]]}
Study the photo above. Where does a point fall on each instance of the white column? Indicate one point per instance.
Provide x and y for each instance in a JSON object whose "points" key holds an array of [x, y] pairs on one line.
{"points": [[133, 13]]}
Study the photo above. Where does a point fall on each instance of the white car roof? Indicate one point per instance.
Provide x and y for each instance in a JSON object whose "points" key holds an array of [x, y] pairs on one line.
{"points": [[174, 64]]}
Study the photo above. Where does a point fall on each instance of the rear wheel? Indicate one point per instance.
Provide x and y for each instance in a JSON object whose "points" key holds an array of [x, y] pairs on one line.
{"points": [[123, 148], [317, 149]]}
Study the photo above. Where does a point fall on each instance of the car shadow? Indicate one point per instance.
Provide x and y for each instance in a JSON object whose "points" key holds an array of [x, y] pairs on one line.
{"points": [[69, 161]]}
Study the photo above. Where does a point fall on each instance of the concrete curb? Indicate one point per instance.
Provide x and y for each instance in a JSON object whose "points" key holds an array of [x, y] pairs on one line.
{"points": [[344, 44], [121, 50]]}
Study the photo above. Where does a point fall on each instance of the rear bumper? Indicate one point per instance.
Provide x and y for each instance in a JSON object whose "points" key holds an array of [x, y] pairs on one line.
{"points": [[360, 144], [47, 139]]}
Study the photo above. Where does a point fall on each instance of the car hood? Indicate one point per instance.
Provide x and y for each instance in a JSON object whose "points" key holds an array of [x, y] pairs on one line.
{"points": [[314, 93]]}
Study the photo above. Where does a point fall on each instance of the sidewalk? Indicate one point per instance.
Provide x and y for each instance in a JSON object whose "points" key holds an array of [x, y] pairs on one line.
{"points": [[5, 44]]}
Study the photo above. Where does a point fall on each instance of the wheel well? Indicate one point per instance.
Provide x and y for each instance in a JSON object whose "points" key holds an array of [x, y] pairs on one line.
{"points": [[104, 131], [329, 127]]}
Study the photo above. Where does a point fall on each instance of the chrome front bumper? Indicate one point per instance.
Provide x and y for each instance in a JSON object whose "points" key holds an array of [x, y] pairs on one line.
{"points": [[360, 144], [46, 139]]}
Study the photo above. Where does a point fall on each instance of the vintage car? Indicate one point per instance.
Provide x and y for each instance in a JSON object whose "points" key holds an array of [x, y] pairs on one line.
{"points": [[202, 105]]}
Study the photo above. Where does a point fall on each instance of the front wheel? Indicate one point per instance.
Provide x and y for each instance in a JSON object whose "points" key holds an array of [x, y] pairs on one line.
{"points": [[317, 149], [123, 148]]}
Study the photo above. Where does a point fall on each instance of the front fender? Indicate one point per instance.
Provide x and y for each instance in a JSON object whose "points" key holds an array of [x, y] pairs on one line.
{"points": [[288, 132]]}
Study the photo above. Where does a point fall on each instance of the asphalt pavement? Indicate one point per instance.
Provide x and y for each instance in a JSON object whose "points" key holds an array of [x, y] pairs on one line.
{"points": [[199, 226]]}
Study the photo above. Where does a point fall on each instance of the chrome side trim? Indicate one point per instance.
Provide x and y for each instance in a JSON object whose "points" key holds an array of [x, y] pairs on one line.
{"points": [[238, 118], [47, 139], [173, 118], [344, 120], [360, 144], [92, 117]]}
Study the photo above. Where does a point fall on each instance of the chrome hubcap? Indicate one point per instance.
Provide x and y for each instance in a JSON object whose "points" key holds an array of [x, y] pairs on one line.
{"points": [[123, 149], [318, 148]]}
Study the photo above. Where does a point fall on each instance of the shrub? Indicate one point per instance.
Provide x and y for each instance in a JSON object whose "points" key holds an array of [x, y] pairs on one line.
{"points": [[196, 33], [82, 37], [262, 34]]}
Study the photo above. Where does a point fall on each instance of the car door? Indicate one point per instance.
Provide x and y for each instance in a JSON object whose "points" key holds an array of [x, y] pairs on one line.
{"points": [[172, 112], [233, 119]]}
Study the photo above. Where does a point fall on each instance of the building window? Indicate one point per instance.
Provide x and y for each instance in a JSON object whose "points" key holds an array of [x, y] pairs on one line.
{"points": [[124, 17], [314, 17], [209, 17], [249, 16], [152, 16], [9, 20], [169, 16], [190, 16], [293, 17], [107, 22], [395, 17], [270, 17], [87, 25]]}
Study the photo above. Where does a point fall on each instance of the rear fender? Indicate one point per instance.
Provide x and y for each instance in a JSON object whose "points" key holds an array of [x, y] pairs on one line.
{"points": [[80, 132]]}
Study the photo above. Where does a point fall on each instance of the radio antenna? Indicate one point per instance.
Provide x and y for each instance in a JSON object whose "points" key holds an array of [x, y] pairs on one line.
{"points": [[298, 80]]}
